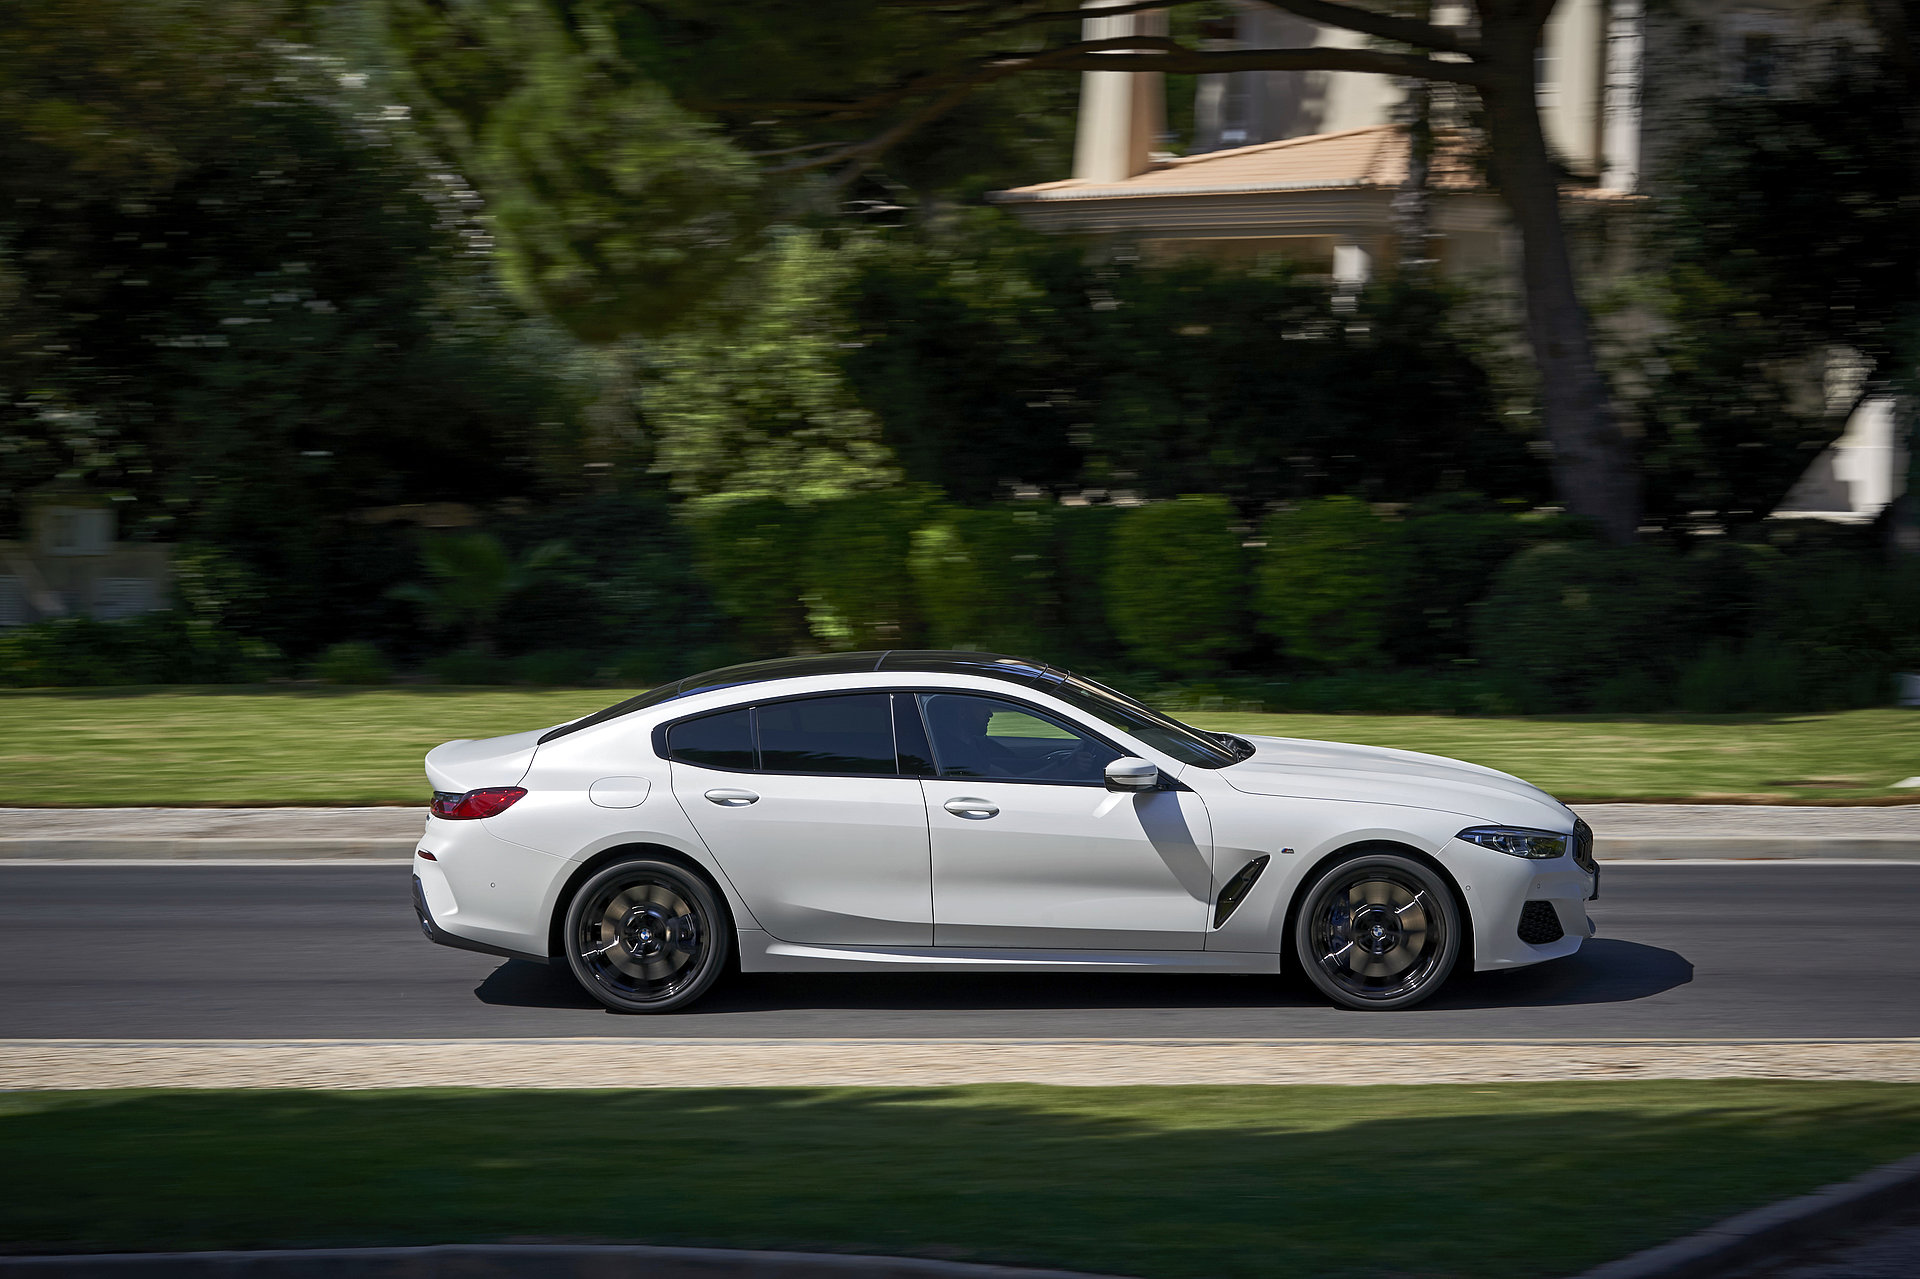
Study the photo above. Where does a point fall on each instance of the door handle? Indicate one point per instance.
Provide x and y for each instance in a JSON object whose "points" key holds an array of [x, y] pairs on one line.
{"points": [[974, 809], [728, 798]]}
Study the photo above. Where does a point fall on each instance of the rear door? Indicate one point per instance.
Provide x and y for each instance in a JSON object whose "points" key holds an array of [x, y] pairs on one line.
{"points": [[803, 804], [1030, 849]]}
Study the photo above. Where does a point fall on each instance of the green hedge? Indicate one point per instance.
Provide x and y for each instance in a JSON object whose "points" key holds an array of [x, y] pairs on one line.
{"points": [[156, 648], [1176, 584], [751, 554], [857, 580], [985, 578], [1322, 584]]}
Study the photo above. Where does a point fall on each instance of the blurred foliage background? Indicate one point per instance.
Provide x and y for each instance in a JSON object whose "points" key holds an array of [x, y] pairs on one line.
{"points": [[276, 277]]}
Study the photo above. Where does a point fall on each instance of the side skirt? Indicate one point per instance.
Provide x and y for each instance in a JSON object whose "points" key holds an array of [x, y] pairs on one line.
{"points": [[762, 953]]}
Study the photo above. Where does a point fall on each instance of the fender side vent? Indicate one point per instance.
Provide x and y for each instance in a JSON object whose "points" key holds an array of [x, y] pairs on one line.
{"points": [[1236, 889], [1540, 924]]}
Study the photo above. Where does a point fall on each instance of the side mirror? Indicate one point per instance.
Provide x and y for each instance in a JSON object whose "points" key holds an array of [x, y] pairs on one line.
{"points": [[1130, 774]]}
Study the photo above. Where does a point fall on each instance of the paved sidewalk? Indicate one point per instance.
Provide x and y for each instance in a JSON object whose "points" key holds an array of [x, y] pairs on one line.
{"points": [[718, 1063], [1623, 831]]}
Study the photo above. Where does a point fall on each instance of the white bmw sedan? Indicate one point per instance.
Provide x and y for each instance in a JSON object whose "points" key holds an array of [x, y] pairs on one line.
{"points": [[907, 811]]}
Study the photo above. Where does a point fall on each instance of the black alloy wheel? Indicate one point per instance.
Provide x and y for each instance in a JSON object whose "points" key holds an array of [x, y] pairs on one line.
{"points": [[1378, 931], [646, 936]]}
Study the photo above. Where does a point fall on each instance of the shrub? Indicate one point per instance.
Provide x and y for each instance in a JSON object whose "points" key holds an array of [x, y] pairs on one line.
{"points": [[1175, 584], [352, 662], [984, 578], [156, 648], [1083, 543], [1322, 580], [559, 667], [632, 584], [1580, 626], [751, 553], [859, 588], [1766, 674], [469, 666], [1448, 549]]}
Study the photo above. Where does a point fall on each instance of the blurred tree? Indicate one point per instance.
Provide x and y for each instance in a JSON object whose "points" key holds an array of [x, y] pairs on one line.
{"points": [[471, 576], [847, 88], [747, 398], [1791, 250], [248, 304], [1002, 358]]}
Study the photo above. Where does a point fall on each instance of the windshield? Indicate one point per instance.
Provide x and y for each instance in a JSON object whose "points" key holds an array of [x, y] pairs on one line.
{"points": [[1164, 733]]}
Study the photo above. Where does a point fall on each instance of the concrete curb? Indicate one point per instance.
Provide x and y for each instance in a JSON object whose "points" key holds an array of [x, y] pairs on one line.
{"points": [[1761, 1234], [194, 849], [1606, 848], [498, 1261], [1755, 847]]}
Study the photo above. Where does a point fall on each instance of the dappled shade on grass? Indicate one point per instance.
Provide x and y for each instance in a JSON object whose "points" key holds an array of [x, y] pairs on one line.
{"points": [[1490, 1181]]}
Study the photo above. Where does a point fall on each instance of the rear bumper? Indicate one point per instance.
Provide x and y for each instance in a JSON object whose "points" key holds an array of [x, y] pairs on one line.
{"points": [[440, 936]]}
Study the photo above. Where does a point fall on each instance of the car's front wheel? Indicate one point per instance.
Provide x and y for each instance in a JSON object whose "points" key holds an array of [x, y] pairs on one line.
{"points": [[1378, 930], [646, 936]]}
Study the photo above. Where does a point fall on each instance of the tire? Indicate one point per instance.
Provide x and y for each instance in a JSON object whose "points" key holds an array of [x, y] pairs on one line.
{"points": [[646, 936], [1377, 931]]}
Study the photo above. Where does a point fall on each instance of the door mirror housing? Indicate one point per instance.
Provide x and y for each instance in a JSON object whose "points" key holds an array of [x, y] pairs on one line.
{"points": [[1130, 774]]}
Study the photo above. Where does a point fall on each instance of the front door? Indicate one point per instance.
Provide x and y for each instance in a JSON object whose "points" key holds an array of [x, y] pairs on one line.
{"points": [[1030, 849], [802, 804]]}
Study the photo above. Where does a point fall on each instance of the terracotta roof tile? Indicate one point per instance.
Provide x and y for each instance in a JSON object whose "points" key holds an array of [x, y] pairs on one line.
{"points": [[1375, 156]]}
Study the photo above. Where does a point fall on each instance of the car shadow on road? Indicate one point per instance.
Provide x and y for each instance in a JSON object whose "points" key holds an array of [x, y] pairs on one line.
{"points": [[1605, 971]]}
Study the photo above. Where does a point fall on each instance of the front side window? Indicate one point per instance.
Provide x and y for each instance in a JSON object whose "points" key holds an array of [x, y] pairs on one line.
{"points": [[839, 735], [975, 736]]}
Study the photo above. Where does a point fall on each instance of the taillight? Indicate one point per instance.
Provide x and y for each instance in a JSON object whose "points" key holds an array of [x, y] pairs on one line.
{"points": [[484, 802]]}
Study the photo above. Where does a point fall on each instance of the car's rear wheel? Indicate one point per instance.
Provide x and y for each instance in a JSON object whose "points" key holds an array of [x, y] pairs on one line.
{"points": [[1378, 930], [646, 936]]}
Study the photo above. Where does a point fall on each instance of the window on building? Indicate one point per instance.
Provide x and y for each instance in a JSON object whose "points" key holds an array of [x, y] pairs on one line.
{"points": [[13, 602], [116, 597], [1759, 58], [77, 530]]}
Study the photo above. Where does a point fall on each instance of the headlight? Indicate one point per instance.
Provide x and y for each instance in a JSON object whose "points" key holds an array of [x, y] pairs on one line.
{"points": [[1517, 841]]}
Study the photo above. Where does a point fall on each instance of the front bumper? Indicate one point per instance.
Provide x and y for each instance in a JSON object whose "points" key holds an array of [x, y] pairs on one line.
{"points": [[1524, 912]]}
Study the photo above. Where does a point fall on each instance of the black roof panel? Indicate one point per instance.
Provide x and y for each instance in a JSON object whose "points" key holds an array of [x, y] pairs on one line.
{"points": [[961, 662], [1019, 670]]}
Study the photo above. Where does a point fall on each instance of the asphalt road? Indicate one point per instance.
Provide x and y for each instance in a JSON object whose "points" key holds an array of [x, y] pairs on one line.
{"points": [[332, 952]]}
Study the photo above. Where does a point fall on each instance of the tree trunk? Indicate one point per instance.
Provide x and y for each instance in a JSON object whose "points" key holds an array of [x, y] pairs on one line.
{"points": [[1594, 470], [1412, 208]]}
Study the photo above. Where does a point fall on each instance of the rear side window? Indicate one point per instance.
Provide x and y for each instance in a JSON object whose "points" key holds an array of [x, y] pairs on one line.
{"points": [[841, 735], [714, 741]]}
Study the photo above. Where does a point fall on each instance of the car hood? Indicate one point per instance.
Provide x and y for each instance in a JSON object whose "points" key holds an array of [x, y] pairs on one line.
{"points": [[1298, 767], [467, 764]]}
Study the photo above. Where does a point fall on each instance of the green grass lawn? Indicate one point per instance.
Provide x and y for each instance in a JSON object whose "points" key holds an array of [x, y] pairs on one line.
{"points": [[342, 746], [1516, 1180]]}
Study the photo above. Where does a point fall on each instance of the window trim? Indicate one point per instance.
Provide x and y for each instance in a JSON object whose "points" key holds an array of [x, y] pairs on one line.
{"points": [[660, 730]]}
